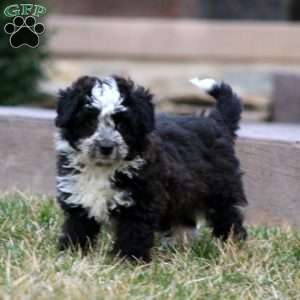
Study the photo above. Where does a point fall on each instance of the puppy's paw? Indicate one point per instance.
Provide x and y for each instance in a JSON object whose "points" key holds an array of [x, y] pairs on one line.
{"points": [[132, 257], [64, 243], [240, 234]]}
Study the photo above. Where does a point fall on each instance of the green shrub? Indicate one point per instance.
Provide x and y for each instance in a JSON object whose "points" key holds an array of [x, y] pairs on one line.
{"points": [[20, 68]]}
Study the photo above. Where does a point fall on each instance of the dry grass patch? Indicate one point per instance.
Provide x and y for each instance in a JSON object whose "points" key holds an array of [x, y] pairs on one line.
{"points": [[266, 267]]}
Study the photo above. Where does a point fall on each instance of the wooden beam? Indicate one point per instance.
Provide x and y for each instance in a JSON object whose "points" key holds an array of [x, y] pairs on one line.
{"points": [[269, 154], [174, 39]]}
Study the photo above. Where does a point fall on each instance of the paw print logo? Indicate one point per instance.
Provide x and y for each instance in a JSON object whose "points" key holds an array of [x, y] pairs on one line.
{"points": [[24, 32]]}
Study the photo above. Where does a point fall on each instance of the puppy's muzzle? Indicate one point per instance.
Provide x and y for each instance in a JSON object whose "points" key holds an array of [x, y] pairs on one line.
{"points": [[102, 149], [106, 147]]}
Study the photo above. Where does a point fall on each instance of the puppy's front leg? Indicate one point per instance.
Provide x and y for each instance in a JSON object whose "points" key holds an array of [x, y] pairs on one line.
{"points": [[134, 234], [78, 232]]}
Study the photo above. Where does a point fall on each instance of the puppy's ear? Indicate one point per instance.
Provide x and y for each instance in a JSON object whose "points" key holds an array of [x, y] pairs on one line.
{"points": [[67, 105], [144, 108], [70, 100], [139, 100]]}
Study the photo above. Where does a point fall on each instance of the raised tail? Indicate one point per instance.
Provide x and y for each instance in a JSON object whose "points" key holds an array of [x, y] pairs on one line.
{"points": [[228, 106]]}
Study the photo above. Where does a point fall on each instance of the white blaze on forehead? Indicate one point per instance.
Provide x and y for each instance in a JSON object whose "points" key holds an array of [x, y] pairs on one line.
{"points": [[106, 97]]}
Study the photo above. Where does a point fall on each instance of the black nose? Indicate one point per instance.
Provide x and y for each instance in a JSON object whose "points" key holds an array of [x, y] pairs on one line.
{"points": [[106, 150]]}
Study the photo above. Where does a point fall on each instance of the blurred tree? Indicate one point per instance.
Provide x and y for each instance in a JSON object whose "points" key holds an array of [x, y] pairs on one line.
{"points": [[20, 68]]}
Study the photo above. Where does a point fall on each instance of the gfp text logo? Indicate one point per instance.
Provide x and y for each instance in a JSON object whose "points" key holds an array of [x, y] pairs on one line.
{"points": [[24, 30]]}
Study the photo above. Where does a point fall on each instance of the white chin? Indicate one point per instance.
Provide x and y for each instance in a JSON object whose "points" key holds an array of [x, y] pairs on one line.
{"points": [[104, 161]]}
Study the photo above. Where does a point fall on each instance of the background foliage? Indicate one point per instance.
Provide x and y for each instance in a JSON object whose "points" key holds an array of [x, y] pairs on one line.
{"points": [[20, 68]]}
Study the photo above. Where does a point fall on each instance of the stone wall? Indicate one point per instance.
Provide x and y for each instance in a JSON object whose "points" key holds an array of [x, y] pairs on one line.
{"points": [[269, 154]]}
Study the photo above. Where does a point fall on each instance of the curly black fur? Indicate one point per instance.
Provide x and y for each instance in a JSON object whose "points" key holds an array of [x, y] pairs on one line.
{"points": [[190, 169]]}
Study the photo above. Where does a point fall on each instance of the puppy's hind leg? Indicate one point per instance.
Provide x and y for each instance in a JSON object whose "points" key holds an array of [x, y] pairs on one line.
{"points": [[226, 221], [180, 235], [78, 232]]}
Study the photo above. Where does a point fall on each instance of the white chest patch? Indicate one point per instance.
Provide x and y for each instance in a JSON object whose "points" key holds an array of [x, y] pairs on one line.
{"points": [[92, 188]]}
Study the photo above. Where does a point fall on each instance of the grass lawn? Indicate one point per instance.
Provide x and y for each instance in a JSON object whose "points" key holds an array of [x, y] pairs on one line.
{"points": [[267, 266]]}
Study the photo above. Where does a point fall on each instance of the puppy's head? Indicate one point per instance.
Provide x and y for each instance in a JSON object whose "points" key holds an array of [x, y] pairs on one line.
{"points": [[105, 119]]}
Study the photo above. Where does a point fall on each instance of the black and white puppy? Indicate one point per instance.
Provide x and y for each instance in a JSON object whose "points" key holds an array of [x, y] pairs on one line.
{"points": [[120, 164]]}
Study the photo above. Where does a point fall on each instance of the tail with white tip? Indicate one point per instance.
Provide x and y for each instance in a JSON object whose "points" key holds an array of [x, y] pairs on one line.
{"points": [[228, 106]]}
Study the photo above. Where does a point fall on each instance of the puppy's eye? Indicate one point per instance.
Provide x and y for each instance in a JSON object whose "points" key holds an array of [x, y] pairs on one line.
{"points": [[121, 120], [87, 126], [89, 109], [119, 126], [91, 123]]}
